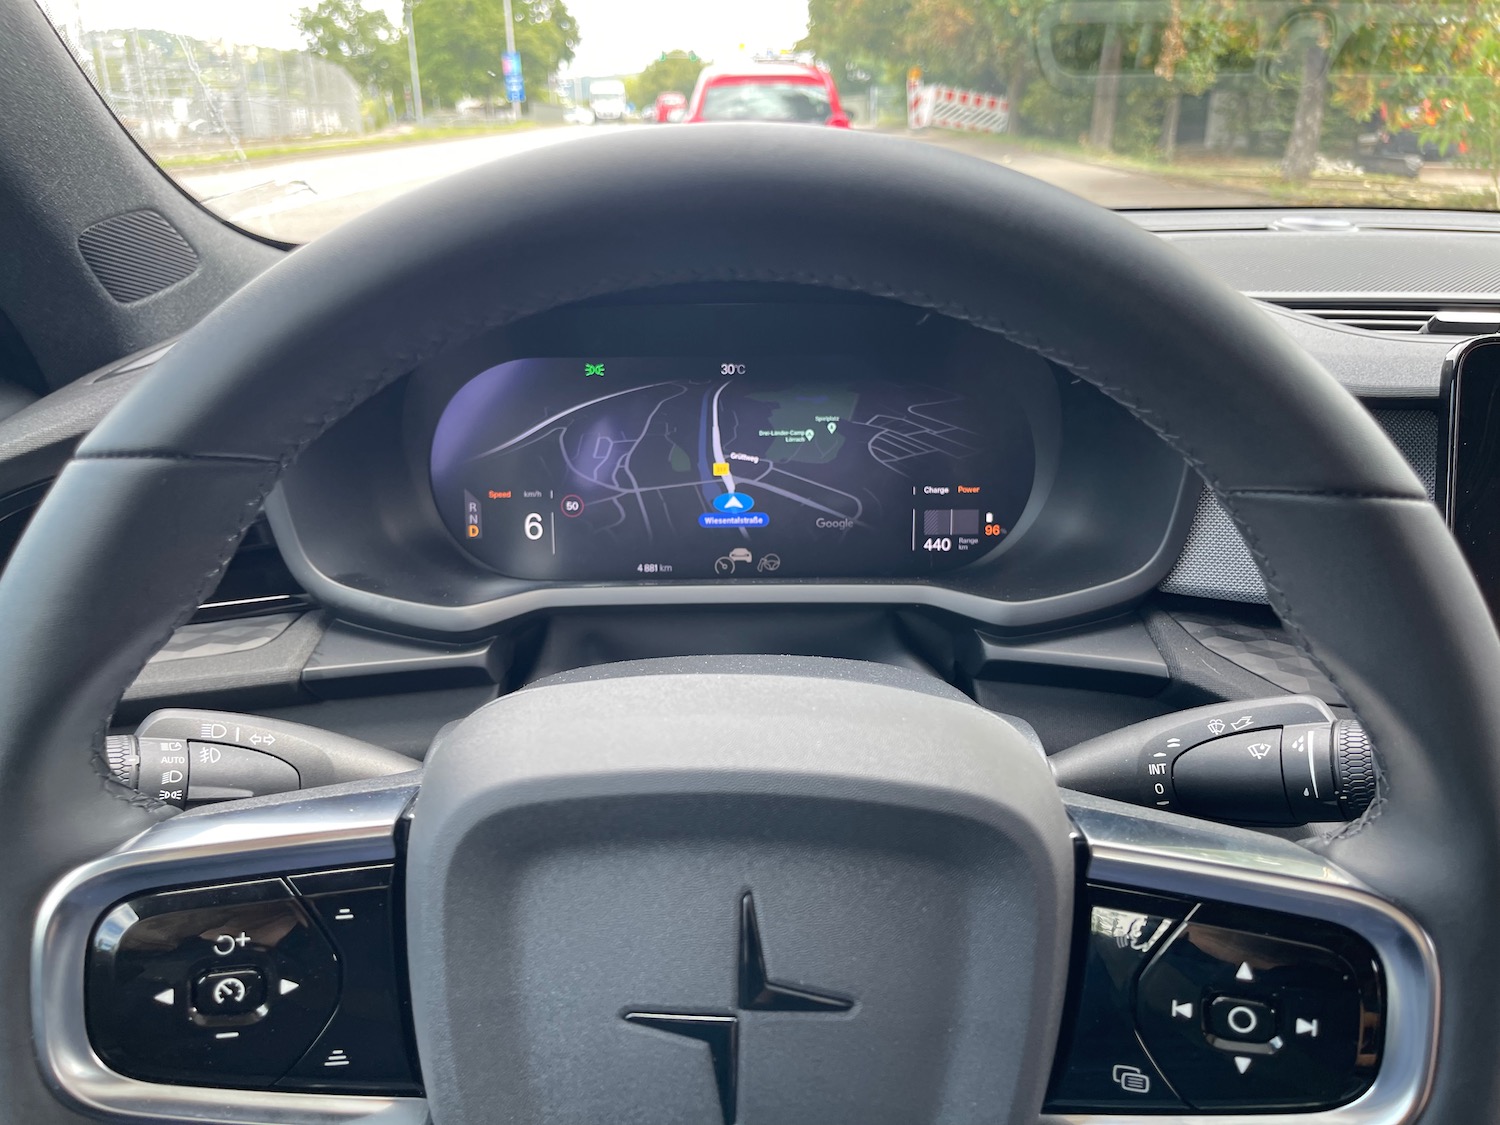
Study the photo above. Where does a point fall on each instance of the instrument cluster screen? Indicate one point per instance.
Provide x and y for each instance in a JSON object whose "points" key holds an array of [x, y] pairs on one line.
{"points": [[610, 468]]}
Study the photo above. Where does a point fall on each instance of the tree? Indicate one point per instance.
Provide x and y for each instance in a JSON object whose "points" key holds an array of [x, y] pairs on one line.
{"points": [[982, 44], [1107, 88], [1308, 39], [1193, 43], [855, 37], [1332, 52], [986, 44], [1453, 77], [673, 70], [363, 42], [461, 41]]}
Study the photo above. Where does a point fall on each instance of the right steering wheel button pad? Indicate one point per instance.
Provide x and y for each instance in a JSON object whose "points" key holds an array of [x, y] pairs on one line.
{"points": [[287, 982], [1239, 1018], [1234, 1010]]}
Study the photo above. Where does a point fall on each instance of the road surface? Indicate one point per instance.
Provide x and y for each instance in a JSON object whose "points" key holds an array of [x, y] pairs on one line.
{"points": [[299, 198]]}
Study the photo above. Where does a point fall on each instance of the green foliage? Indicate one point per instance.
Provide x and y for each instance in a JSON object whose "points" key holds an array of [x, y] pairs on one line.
{"points": [[1049, 112], [362, 41], [460, 44], [1430, 64], [1450, 85], [674, 70]]}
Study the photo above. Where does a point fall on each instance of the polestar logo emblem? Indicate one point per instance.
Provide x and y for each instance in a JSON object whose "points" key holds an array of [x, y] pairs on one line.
{"points": [[757, 993]]}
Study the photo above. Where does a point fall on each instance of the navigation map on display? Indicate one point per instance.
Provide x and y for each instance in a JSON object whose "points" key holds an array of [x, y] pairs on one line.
{"points": [[698, 468]]}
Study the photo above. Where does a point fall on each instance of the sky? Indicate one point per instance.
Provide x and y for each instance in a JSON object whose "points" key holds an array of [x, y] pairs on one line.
{"points": [[618, 36]]}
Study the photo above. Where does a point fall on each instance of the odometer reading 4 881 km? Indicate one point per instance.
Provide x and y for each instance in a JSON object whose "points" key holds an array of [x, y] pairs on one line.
{"points": [[681, 468]]}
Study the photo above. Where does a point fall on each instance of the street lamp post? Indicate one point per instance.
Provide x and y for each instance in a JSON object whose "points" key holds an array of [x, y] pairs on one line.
{"points": [[510, 49], [411, 55]]}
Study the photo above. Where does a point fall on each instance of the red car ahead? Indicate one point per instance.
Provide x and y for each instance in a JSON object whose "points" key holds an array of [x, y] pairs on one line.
{"points": [[771, 91], [670, 107]]}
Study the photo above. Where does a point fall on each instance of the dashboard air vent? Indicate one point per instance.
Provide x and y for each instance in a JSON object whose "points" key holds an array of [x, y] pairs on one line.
{"points": [[1433, 318], [255, 582]]}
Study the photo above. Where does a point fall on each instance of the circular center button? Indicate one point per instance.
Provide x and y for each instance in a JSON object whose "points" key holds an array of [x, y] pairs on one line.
{"points": [[229, 992], [1245, 1021]]}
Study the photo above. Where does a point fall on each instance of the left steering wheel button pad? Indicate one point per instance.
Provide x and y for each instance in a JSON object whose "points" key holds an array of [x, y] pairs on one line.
{"points": [[195, 943], [233, 985]]}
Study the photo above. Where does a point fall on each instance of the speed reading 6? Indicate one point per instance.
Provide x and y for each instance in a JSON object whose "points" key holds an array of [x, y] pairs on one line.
{"points": [[533, 526]]}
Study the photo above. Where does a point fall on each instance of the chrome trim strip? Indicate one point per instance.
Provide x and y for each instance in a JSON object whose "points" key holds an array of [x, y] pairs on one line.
{"points": [[1374, 296], [341, 825], [1144, 850], [269, 599]]}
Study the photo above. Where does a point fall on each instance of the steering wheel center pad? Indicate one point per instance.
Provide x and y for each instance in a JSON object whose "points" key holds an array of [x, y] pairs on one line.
{"points": [[676, 816], [1359, 565]]}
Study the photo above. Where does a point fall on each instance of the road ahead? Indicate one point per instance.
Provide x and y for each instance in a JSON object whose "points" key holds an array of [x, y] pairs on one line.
{"points": [[300, 198]]}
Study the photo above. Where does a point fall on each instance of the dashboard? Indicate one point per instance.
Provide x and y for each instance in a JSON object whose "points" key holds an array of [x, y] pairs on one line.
{"points": [[359, 581], [362, 583], [737, 444]]}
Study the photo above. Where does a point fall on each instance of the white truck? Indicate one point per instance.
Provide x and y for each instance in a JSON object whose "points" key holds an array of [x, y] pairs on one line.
{"points": [[607, 100]]}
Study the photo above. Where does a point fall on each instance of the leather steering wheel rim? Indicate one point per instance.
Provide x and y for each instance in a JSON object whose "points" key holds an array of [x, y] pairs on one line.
{"points": [[1357, 561]]}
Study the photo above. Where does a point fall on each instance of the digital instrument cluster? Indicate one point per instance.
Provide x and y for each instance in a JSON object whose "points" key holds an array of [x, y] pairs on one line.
{"points": [[609, 468]]}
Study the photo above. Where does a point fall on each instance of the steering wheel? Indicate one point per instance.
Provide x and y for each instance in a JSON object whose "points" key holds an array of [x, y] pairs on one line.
{"points": [[907, 853]]}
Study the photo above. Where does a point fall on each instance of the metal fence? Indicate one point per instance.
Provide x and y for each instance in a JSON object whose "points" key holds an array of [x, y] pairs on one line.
{"points": [[172, 90]]}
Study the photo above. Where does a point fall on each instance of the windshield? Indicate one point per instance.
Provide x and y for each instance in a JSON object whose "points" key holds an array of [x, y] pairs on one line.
{"points": [[289, 118], [731, 100]]}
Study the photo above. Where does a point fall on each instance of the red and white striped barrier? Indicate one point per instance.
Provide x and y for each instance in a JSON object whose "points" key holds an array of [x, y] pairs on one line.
{"points": [[944, 107]]}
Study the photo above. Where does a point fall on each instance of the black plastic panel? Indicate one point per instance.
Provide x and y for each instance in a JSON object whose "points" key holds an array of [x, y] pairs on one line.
{"points": [[1474, 472]]}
